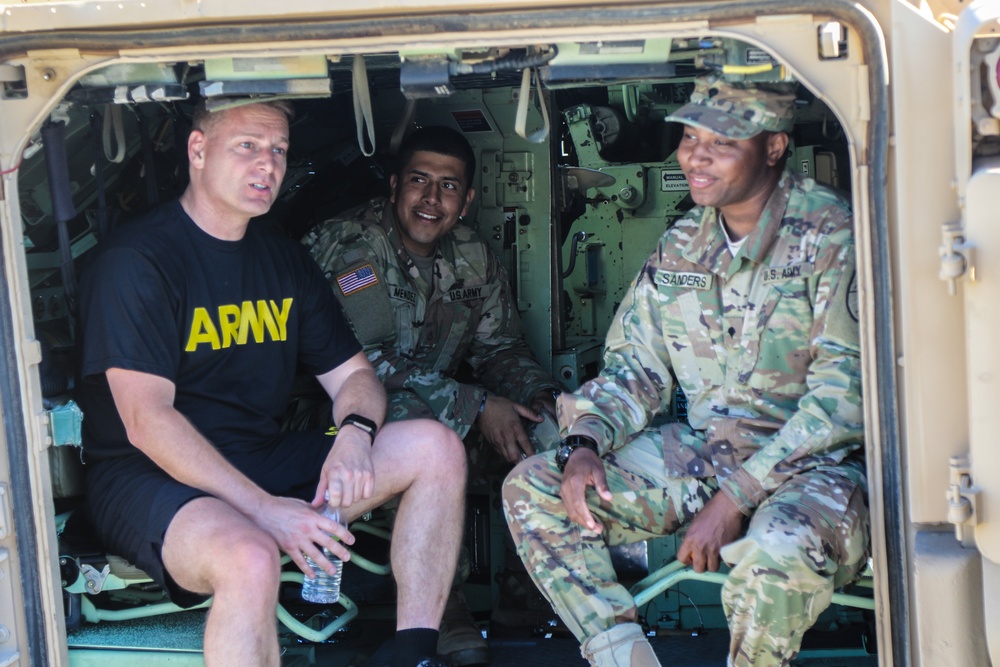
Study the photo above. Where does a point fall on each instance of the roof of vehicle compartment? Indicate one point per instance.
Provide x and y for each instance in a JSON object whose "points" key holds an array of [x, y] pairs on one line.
{"points": [[32, 16], [48, 15]]}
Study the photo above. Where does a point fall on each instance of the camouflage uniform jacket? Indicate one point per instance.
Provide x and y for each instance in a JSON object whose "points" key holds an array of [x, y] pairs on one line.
{"points": [[765, 345], [416, 335]]}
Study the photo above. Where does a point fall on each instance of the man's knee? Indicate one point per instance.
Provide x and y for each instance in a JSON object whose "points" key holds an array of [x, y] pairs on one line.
{"points": [[241, 557], [514, 493], [530, 481], [253, 556], [434, 448], [779, 561], [776, 590]]}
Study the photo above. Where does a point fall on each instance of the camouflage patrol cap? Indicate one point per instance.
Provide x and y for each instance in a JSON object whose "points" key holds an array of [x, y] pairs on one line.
{"points": [[738, 110]]}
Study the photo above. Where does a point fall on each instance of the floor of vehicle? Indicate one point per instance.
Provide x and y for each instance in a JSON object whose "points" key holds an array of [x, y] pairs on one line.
{"points": [[365, 643], [176, 639]]}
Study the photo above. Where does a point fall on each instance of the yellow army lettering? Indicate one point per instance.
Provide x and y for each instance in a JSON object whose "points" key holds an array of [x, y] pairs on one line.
{"points": [[237, 322]]}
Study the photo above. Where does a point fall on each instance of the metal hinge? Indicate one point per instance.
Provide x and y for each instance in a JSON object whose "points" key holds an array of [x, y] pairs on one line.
{"points": [[957, 256], [963, 500], [95, 578]]}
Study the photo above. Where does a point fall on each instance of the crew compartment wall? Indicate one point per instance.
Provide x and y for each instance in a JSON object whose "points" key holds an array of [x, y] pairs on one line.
{"points": [[945, 580], [932, 344], [32, 607]]}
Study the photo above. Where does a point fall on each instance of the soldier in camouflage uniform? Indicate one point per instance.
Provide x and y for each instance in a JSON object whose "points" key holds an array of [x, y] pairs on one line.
{"points": [[424, 295], [748, 303]]}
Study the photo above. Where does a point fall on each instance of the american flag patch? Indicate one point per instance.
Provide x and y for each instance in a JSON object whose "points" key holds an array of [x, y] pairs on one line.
{"points": [[358, 279]]}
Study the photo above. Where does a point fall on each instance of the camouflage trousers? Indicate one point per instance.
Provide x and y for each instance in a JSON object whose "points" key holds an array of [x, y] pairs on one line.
{"points": [[483, 459], [807, 539]]}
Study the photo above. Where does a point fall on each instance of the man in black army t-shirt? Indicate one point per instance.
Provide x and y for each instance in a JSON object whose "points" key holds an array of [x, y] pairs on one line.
{"points": [[194, 321]]}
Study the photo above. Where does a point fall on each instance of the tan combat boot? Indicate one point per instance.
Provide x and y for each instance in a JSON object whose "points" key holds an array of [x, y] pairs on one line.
{"points": [[622, 646], [460, 640]]}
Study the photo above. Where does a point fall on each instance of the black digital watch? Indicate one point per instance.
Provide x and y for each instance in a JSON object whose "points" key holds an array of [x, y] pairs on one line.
{"points": [[363, 423]]}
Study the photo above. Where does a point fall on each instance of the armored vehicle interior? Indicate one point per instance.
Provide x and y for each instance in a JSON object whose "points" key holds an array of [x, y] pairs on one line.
{"points": [[576, 179]]}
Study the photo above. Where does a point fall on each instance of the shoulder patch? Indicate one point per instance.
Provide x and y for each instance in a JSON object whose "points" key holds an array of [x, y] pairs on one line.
{"points": [[357, 279], [370, 311], [853, 307]]}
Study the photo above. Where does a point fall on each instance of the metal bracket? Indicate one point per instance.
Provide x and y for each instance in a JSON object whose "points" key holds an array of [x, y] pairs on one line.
{"points": [[963, 500], [629, 188], [957, 256], [832, 41], [95, 579]]}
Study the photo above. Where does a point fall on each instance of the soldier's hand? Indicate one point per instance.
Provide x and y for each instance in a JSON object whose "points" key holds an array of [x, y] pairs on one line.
{"points": [[300, 531], [544, 401], [348, 474], [718, 523], [583, 469], [501, 424]]}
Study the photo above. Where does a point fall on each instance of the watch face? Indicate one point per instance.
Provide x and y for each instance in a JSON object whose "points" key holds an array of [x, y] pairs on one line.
{"points": [[562, 456], [364, 424], [363, 427]]}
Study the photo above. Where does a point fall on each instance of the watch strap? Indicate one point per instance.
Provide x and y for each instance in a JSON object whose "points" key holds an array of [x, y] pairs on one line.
{"points": [[570, 444], [363, 423]]}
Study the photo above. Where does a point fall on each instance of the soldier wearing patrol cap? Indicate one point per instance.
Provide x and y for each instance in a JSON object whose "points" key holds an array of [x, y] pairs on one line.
{"points": [[746, 303]]}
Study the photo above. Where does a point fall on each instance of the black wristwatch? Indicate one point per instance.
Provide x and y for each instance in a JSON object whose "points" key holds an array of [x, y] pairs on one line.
{"points": [[569, 445], [363, 423]]}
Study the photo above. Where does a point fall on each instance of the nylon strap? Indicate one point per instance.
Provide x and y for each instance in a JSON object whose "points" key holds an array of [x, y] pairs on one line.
{"points": [[362, 105], [541, 134]]}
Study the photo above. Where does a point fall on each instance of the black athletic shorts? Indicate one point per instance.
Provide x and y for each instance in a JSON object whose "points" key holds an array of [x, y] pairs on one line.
{"points": [[132, 501]]}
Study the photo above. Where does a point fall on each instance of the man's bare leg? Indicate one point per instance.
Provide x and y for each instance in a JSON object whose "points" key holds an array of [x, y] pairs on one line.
{"points": [[211, 548], [425, 462]]}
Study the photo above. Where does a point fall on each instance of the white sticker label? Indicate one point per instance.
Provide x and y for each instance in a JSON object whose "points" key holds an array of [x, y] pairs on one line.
{"points": [[672, 180]]}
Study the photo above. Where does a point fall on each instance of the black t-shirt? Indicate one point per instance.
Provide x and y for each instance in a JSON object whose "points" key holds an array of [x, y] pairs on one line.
{"points": [[228, 322]]}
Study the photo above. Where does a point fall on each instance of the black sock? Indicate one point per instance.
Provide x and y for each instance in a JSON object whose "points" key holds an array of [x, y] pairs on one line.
{"points": [[412, 645]]}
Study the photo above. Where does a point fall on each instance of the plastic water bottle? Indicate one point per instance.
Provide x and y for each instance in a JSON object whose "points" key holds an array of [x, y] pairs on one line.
{"points": [[324, 588]]}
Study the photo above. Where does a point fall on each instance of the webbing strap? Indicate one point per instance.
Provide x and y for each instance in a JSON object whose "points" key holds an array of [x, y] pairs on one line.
{"points": [[113, 119], [362, 105], [541, 134]]}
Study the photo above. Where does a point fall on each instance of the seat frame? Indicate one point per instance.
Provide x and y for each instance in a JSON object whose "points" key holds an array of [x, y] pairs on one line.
{"points": [[675, 572], [118, 575]]}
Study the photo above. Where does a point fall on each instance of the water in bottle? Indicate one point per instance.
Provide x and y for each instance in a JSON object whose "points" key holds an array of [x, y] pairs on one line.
{"points": [[324, 588]]}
